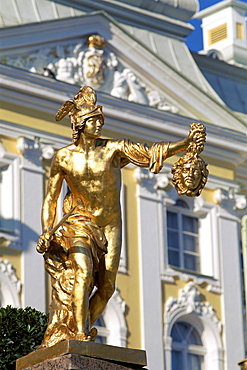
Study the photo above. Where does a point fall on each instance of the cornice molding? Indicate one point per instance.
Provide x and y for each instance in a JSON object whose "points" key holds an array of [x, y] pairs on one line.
{"points": [[43, 94], [47, 139]]}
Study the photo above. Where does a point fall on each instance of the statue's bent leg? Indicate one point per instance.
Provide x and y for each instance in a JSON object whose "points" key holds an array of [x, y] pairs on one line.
{"points": [[82, 264], [107, 273]]}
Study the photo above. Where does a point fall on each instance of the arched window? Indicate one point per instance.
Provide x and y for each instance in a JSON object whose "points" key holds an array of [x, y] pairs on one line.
{"points": [[103, 332], [187, 348], [10, 285], [111, 326], [192, 332]]}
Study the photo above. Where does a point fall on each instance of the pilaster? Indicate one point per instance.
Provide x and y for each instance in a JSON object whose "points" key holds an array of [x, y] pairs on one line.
{"points": [[150, 215], [230, 208], [32, 195]]}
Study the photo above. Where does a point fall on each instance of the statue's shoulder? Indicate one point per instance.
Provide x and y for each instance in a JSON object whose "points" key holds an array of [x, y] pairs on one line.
{"points": [[64, 152], [111, 143], [65, 149]]}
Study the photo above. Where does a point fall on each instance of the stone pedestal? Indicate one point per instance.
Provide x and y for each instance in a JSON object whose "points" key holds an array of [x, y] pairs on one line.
{"points": [[76, 355]]}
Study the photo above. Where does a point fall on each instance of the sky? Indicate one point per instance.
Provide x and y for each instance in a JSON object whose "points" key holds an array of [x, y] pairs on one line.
{"points": [[194, 41]]}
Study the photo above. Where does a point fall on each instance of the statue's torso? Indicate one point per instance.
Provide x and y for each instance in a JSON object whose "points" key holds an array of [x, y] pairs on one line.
{"points": [[94, 178]]}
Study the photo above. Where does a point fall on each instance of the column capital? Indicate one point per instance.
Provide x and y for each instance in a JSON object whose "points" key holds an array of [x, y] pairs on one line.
{"points": [[32, 152], [150, 182]]}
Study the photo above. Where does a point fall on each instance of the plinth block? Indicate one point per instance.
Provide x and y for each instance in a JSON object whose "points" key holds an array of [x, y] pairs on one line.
{"points": [[77, 355]]}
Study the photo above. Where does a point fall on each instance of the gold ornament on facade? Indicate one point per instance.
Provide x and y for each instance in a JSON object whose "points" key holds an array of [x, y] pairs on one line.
{"points": [[96, 41], [82, 255], [95, 61]]}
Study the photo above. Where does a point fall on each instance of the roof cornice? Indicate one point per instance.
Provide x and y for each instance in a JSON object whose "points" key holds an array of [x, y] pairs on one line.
{"points": [[143, 122]]}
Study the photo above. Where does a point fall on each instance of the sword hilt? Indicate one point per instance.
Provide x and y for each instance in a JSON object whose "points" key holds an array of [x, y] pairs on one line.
{"points": [[41, 248]]}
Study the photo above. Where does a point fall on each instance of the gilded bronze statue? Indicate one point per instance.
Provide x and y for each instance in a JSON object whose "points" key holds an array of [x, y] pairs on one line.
{"points": [[82, 257]]}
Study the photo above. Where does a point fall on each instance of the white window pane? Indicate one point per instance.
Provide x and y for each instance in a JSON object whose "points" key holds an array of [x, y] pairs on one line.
{"points": [[172, 220], [173, 239], [177, 362], [194, 338], [190, 243], [175, 334], [194, 362], [185, 357], [173, 258], [99, 324], [190, 224], [100, 339], [182, 328], [191, 262]]}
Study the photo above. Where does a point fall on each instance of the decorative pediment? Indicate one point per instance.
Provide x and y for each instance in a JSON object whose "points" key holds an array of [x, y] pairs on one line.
{"points": [[89, 61], [120, 65]]}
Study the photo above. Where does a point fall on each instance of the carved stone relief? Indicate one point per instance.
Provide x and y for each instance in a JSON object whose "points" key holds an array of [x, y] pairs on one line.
{"points": [[126, 85], [33, 150], [231, 200], [151, 182], [189, 301], [90, 63], [10, 285]]}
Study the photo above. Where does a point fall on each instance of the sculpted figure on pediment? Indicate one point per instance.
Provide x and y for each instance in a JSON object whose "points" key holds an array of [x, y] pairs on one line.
{"points": [[34, 62], [157, 101], [63, 65], [127, 86]]}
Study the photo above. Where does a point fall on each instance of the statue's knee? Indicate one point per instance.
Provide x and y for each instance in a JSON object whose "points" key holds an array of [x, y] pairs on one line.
{"points": [[83, 277]]}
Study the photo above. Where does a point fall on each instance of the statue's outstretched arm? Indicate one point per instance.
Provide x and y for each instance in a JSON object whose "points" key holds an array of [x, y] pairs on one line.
{"points": [[195, 135], [153, 157]]}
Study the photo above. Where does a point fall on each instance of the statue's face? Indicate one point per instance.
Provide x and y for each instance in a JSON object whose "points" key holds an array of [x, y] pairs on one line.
{"points": [[93, 126], [191, 175]]}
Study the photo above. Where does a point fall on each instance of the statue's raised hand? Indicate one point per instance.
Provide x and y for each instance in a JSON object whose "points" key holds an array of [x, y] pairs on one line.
{"points": [[197, 136]]}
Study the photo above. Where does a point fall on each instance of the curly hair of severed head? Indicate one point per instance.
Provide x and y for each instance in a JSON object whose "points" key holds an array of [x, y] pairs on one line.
{"points": [[177, 171]]}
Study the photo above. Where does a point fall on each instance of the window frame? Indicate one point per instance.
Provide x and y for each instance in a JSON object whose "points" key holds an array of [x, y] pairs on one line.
{"points": [[180, 212], [191, 308], [208, 236], [186, 348]]}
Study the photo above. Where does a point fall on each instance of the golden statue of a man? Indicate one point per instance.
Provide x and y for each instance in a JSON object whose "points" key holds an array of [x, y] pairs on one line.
{"points": [[83, 257]]}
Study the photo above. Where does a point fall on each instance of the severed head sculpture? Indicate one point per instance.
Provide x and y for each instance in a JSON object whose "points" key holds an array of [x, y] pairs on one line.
{"points": [[190, 171]]}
